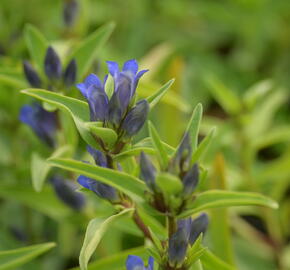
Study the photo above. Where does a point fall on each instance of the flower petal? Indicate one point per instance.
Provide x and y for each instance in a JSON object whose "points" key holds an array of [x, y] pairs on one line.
{"points": [[113, 68], [134, 263], [130, 66]]}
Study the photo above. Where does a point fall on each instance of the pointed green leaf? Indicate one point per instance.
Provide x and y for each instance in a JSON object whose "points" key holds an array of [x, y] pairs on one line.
{"points": [[36, 44], [160, 149], [109, 136], [223, 198], [210, 261], [78, 110], [154, 99], [12, 259], [86, 52], [202, 147], [94, 234], [124, 182]]}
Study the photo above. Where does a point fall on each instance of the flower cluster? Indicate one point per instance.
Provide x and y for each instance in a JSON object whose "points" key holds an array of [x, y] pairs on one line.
{"points": [[117, 111], [55, 75], [185, 175]]}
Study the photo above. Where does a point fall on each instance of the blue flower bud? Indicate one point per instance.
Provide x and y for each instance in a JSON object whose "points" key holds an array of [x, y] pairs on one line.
{"points": [[136, 263], [52, 64], [70, 73], [66, 191], [42, 122], [147, 171], [70, 11], [178, 244], [99, 157], [136, 118], [115, 110], [198, 226], [102, 190], [31, 75], [190, 180]]}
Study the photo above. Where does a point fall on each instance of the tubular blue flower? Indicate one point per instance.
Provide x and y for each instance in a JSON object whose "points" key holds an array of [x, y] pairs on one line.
{"points": [[66, 191], [198, 226], [52, 64], [136, 263], [102, 190], [190, 180], [178, 244], [136, 118], [31, 75], [94, 92], [42, 122], [147, 171], [70, 73]]}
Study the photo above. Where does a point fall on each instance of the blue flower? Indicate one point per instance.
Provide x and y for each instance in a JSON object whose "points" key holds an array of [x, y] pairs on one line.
{"points": [[70, 73], [102, 190], [136, 263], [147, 171], [115, 108], [188, 231], [52, 64], [190, 180], [42, 122], [31, 75], [66, 191]]}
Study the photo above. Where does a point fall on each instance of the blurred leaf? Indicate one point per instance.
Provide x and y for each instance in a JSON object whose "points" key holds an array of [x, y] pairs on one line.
{"points": [[11, 81], [210, 261], [10, 259], [222, 198], [78, 110], [86, 52], [36, 44], [94, 234], [224, 96], [124, 182], [44, 202], [160, 150], [155, 98], [203, 146]]}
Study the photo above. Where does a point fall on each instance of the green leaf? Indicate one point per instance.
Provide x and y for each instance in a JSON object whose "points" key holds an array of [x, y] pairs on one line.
{"points": [[224, 96], [107, 135], [10, 259], [154, 99], [44, 202], [36, 44], [86, 52], [116, 261], [203, 146], [94, 234], [126, 183], [160, 149], [78, 110], [169, 183], [223, 198], [40, 167], [210, 261]]}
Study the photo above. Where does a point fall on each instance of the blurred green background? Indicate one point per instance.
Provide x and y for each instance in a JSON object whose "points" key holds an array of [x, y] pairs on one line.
{"points": [[221, 52]]}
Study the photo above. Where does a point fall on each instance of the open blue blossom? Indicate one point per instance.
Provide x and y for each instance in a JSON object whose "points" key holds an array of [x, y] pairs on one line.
{"points": [[136, 263], [102, 190], [115, 109], [66, 191], [187, 232], [42, 122]]}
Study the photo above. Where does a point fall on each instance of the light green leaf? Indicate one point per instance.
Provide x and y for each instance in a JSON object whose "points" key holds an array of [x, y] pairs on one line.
{"points": [[154, 99], [126, 183], [203, 146], [224, 96], [210, 261], [36, 44], [223, 198], [86, 52], [109, 136], [11, 259], [94, 234], [12, 81], [169, 183], [160, 149], [78, 110]]}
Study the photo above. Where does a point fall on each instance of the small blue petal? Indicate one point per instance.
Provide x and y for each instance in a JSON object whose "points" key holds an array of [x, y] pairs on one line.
{"points": [[130, 66], [113, 68], [134, 263], [150, 263], [98, 156], [199, 225], [85, 181], [93, 79]]}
